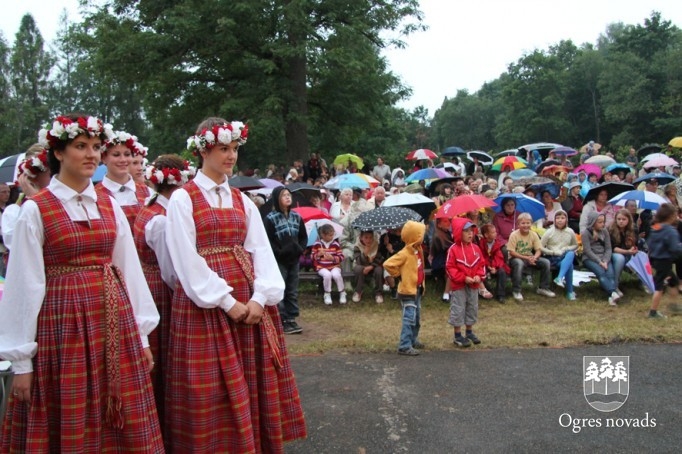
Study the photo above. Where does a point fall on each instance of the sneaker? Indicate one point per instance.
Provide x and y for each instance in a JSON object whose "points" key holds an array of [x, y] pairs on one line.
{"points": [[545, 292], [342, 298], [501, 300], [461, 342], [517, 296], [571, 296], [327, 298], [560, 282], [473, 338], [613, 298], [529, 280], [379, 299], [418, 345], [620, 294], [356, 297], [408, 352], [292, 327], [657, 316], [387, 288]]}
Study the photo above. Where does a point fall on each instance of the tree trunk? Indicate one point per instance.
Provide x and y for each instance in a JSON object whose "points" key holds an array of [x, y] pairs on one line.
{"points": [[296, 111]]}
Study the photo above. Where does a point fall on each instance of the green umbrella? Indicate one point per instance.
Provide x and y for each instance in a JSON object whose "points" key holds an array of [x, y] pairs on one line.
{"points": [[347, 158]]}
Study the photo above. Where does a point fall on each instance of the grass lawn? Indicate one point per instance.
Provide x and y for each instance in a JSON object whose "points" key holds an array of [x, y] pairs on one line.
{"points": [[536, 322]]}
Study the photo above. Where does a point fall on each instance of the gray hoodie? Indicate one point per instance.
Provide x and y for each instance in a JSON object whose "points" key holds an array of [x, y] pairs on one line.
{"points": [[598, 250]]}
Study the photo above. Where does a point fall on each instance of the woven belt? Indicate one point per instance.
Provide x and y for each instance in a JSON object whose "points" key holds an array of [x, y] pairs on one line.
{"points": [[111, 275], [245, 263], [150, 268]]}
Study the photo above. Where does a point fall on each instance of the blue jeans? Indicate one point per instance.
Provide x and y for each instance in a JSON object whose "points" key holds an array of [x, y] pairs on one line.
{"points": [[517, 267], [605, 276], [565, 265], [619, 261], [288, 307], [411, 320]]}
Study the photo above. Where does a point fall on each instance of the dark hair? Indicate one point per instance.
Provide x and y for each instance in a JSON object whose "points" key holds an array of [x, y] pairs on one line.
{"points": [[52, 161], [325, 228], [665, 213], [485, 228], [168, 161]]}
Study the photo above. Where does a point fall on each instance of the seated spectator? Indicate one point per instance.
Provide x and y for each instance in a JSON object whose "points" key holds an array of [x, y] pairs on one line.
{"points": [[599, 205], [505, 220], [367, 261], [327, 258], [623, 243], [390, 243], [551, 208], [341, 208], [597, 254], [573, 206], [524, 251], [495, 263], [559, 244]]}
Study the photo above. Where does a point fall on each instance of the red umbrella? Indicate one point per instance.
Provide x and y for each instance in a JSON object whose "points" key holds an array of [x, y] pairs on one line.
{"points": [[308, 213], [422, 153], [463, 204]]}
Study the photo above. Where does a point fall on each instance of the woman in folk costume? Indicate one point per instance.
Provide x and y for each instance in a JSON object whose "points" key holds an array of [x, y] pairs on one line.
{"points": [[117, 156], [77, 313], [167, 174], [229, 383]]}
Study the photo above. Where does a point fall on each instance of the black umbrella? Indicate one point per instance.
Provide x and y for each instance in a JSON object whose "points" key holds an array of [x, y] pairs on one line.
{"points": [[648, 149], [244, 183], [613, 189], [303, 190], [385, 218], [8, 168], [547, 163], [453, 151]]}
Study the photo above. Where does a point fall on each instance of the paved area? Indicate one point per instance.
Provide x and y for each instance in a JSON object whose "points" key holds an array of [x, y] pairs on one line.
{"points": [[486, 401]]}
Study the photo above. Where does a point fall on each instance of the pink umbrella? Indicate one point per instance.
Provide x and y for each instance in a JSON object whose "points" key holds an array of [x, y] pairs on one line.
{"points": [[660, 162], [422, 153], [588, 169]]}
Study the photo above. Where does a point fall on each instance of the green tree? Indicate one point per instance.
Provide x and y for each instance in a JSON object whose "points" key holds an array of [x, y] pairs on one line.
{"points": [[30, 66], [5, 107]]}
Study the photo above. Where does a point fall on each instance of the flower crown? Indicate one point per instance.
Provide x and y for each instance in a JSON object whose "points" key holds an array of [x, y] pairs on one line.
{"points": [[34, 165], [225, 133], [169, 175], [129, 140], [64, 128]]}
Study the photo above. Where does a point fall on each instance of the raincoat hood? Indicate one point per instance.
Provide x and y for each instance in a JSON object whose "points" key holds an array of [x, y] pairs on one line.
{"points": [[413, 233], [275, 198], [592, 218], [458, 226]]}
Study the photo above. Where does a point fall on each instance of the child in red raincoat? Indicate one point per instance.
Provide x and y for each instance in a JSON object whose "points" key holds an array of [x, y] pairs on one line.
{"points": [[496, 266]]}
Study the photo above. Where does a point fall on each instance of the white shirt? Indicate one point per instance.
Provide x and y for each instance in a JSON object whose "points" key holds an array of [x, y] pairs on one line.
{"points": [[25, 287], [155, 237], [203, 285], [8, 221], [125, 194]]}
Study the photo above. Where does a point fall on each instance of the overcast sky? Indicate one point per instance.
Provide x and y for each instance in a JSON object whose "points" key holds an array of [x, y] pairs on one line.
{"points": [[467, 44]]}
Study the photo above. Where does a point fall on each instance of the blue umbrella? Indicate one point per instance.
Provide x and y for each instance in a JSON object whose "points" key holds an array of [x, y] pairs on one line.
{"points": [[427, 174], [524, 204], [521, 173], [639, 263], [564, 151], [645, 200], [619, 166], [453, 151], [661, 177], [539, 188]]}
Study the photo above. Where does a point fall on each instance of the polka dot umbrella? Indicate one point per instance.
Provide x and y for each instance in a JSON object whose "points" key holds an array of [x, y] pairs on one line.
{"points": [[385, 218]]}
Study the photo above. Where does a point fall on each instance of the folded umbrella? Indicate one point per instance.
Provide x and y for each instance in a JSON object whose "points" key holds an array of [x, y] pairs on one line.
{"points": [[385, 218], [639, 263]]}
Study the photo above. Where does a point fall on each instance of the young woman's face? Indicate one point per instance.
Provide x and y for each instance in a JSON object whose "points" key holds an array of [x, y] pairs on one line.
{"points": [[79, 160], [285, 199], [603, 196], [622, 221], [366, 238], [560, 221], [136, 168], [220, 160], [118, 159], [599, 223], [547, 198], [509, 207]]}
